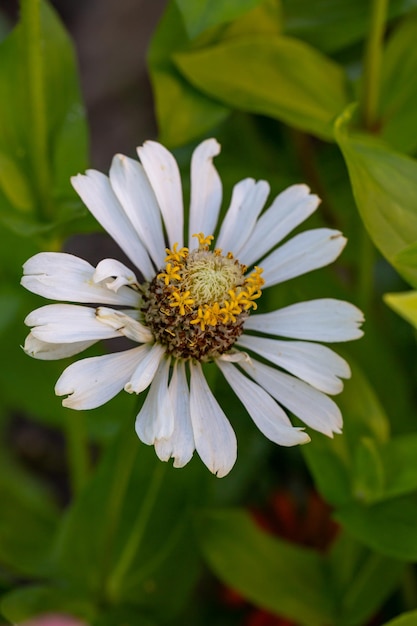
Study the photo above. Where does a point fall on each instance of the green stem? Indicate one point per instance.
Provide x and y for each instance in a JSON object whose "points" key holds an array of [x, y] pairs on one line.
{"points": [[136, 536], [77, 451], [31, 42], [366, 271], [117, 490], [372, 64]]}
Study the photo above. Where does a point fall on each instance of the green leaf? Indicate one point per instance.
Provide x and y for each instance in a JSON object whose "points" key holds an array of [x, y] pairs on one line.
{"points": [[27, 524], [384, 184], [285, 579], [406, 619], [405, 304], [183, 114], [294, 83], [399, 459], [133, 494], [368, 472], [22, 604], [265, 18], [45, 140], [333, 461], [199, 15], [387, 527], [363, 579], [399, 89], [334, 25], [9, 305]]}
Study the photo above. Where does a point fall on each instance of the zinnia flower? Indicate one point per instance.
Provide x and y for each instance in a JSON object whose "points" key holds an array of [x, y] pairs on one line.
{"points": [[195, 305]]}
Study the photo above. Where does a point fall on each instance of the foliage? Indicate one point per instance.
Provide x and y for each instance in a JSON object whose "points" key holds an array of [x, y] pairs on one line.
{"points": [[294, 91]]}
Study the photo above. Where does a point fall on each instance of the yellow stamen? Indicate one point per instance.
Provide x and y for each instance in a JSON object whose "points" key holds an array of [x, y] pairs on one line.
{"points": [[171, 273], [181, 300], [204, 242], [176, 255]]}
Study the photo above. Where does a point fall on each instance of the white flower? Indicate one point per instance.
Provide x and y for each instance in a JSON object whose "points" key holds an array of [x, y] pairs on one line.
{"points": [[195, 305]]}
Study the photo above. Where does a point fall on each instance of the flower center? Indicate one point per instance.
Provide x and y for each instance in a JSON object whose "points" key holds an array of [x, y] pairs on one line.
{"points": [[197, 304]]}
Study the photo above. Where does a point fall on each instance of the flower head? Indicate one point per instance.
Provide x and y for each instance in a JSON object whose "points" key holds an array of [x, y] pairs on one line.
{"points": [[196, 304]]}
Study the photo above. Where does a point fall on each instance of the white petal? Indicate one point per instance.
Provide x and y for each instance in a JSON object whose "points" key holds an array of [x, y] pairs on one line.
{"points": [[311, 406], [206, 191], [92, 382], [67, 323], [303, 253], [97, 194], [146, 369], [180, 445], [61, 276], [267, 414], [214, 438], [162, 171], [124, 324], [111, 268], [248, 200], [325, 319], [137, 198], [289, 209], [51, 351], [315, 364], [156, 419]]}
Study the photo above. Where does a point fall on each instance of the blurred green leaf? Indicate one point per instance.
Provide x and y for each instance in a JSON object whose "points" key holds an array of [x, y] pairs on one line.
{"points": [[332, 461], [334, 25], [368, 473], [33, 600], [406, 619], [9, 305], [41, 203], [399, 89], [199, 15], [387, 527], [183, 114], [294, 83], [265, 18], [364, 580], [399, 459], [405, 304], [28, 522], [282, 578], [384, 184], [133, 494]]}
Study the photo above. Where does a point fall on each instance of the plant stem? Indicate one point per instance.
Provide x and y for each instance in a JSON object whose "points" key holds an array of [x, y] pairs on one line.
{"points": [[372, 65], [136, 536], [31, 42], [366, 271], [77, 451]]}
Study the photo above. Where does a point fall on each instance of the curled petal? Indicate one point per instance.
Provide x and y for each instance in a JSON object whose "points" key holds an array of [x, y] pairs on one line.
{"points": [[124, 324], [45, 351], [62, 276], [111, 268]]}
